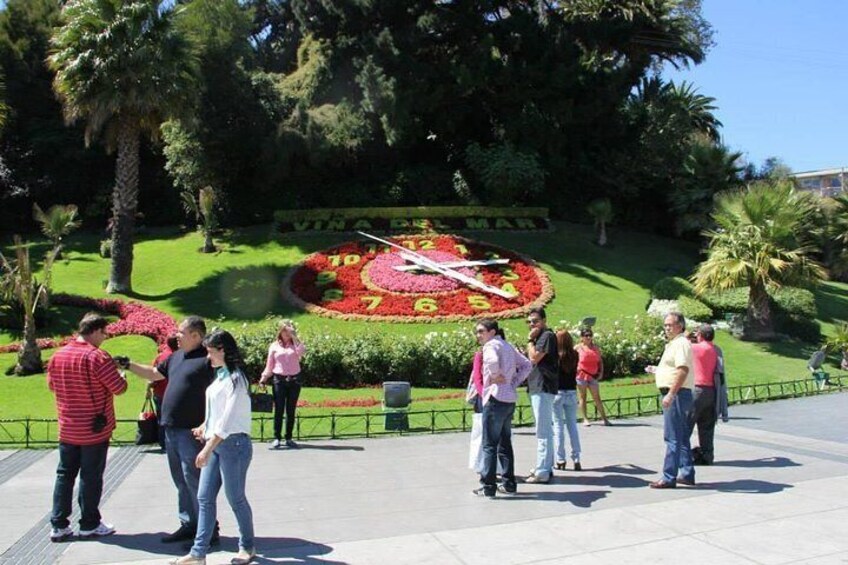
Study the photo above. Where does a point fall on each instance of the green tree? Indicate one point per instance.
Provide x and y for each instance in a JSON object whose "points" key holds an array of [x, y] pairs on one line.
{"points": [[757, 243], [56, 223], [4, 109], [601, 211], [124, 69], [18, 284]]}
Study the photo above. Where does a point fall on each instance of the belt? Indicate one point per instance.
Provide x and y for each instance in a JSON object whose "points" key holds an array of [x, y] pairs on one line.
{"points": [[287, 377]]}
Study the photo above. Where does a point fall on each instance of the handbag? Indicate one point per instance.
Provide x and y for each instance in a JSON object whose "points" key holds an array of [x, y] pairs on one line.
{"points": [[148, 422], [260, 399], [471, 392], [475, 447]]}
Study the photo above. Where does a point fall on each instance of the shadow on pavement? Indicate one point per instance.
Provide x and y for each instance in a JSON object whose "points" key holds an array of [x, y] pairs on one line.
{"points": [[763, 462], [582, 499], [330, 447], [750, 486], [623, 469]]}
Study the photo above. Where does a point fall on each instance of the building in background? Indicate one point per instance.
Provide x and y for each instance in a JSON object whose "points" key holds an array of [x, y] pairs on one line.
{"points": [[824, 182]]}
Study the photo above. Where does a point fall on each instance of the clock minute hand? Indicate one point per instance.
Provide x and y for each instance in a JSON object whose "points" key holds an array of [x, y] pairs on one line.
{"points": [[430, 264]]}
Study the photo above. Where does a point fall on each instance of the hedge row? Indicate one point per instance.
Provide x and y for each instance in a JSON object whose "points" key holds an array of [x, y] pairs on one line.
{"points": [[437, 359]]}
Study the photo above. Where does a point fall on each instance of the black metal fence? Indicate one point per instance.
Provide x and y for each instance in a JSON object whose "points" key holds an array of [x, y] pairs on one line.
{"points": [[42, 432]]}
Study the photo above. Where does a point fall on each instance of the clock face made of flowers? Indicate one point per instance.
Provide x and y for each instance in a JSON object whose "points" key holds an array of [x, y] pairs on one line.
{"points": [[372, 280]]}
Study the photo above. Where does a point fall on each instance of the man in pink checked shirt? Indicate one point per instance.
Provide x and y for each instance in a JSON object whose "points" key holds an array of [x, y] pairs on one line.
{"points": [[504, 369]]}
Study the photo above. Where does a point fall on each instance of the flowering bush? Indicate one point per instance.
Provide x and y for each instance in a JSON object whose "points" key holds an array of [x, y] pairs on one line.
{"points": [[135, 318], [629, 345], [436, 358]]}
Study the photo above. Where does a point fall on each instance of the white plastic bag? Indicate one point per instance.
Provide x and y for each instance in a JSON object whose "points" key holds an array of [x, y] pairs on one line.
{"points": [[475, 448]]}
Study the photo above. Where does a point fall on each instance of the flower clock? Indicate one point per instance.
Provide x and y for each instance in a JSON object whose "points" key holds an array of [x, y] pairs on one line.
{"points": [[417, 278]]}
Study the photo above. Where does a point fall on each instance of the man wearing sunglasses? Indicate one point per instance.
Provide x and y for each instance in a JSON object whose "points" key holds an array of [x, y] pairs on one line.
{"points": [[543, 383]]}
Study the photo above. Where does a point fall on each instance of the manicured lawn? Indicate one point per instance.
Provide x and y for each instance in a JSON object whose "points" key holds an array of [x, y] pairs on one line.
{"points": [[240, 286]]}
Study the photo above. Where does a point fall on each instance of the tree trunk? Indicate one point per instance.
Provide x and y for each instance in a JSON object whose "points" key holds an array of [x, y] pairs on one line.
{"points": [[29, 356], [124, 203], [602, 234], [758, 322], [208, 244]]}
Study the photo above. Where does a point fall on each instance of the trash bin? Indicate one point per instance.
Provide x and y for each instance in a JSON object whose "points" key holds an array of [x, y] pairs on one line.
{"points": [[397, 396]]}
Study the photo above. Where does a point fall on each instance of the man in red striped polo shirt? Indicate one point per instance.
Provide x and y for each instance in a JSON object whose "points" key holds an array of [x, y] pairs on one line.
{"points": [[84, 379]]}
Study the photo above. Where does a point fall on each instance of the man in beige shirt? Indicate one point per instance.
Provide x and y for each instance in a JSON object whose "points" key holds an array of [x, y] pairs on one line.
{"points": [[675, 378]]}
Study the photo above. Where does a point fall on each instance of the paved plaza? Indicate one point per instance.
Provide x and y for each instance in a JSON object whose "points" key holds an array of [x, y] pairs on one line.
{"points": [[778, 493]]}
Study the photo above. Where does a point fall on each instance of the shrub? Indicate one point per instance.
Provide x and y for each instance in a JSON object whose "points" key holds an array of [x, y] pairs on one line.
{"points": [[694, 309], [794, 309], [671, 288], [106, 248]]}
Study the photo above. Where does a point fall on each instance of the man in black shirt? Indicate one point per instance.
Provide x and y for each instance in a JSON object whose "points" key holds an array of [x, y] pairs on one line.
{"points": [[189, 373], [542, 383]]}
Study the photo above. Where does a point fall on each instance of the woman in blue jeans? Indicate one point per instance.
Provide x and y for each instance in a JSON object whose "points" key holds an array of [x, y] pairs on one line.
{"points": [[227, 450], [565, 403]]}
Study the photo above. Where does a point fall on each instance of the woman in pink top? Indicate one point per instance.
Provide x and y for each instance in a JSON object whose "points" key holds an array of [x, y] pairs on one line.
{"points": [[284, 366], [590, 370]]}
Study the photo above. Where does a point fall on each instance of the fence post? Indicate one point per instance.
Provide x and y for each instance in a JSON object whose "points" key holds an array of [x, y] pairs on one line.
{"points": [[432, 421], [27, 432], [368, 424], [464, 412], [332, 425]]}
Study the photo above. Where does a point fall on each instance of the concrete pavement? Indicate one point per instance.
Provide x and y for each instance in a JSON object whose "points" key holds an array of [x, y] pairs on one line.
{"points": [[778, 493]]}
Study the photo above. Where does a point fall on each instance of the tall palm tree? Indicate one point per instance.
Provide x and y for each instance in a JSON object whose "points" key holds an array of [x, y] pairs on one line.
{"points": [[756, 244], [56, 223], [18, 284], [124, 68]]}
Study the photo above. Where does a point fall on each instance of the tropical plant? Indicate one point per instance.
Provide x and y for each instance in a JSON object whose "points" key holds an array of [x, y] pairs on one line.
{"points": [[756, 243], [203, 210], [838, 232], [601, 212], [56, 223], [124, 68], [4, 109], [18, 284]]}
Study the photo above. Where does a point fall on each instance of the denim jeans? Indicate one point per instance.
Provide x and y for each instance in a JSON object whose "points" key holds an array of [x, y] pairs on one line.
{"points": [[497, 444], [704, 416], [676, 430], [228, 464], [89, 461], [565, 415], [543, 404], [182, 450], [286, 393]]}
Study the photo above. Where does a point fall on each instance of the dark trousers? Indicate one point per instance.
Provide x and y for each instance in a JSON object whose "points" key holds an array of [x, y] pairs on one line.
{"points": [[89, 462], [704, 416], [497, 444], [157, 403], [286, 393]]}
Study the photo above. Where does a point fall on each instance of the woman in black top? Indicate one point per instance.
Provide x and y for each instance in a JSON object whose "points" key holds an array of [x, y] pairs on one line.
{"points": [[565, 403]]}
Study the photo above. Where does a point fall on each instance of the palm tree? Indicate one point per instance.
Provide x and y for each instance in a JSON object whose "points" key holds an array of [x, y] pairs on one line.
{"points": [[4, 109], [756, 244], [56, 223], [203, 210], [18, 284], [124, 68], [601, 211]]}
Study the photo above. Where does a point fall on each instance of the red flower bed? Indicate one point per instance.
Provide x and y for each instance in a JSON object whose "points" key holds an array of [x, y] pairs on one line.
{"points": [[135, 319], [356, 281], [369, 402]]}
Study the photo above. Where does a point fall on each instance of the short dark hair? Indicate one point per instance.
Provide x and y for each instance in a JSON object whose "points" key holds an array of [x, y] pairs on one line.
{"points": [[491, 324], [706, 331], [92, 322], [538, 310], [196, 324], [586, 332]]}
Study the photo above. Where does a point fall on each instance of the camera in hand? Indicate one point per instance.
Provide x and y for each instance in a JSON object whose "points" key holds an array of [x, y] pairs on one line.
{"points": [[122, 361], [98, 424]]}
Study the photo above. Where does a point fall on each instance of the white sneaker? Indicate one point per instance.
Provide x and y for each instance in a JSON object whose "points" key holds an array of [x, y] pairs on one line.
{"points": [[61, 534], [188, 560], [275, 444], [101, 530]]}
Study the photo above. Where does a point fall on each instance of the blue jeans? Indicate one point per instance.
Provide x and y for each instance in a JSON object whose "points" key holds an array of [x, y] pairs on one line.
{"points": [[228, 464], [565, 415], [678, 452], [543, 405], [182, 450], [497, 441], [89, 462]]}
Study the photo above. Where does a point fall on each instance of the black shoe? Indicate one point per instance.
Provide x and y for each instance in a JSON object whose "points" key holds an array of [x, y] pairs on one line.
{"points": [[291, 444], [483, 491], [578, 466], [182, 534]]}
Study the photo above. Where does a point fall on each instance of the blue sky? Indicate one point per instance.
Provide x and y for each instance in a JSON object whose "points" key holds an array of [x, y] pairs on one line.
{"points": [[779, 73]]}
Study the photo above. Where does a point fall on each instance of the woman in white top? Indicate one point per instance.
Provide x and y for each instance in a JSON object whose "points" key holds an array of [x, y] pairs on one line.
{"points": [[227, 450]]}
